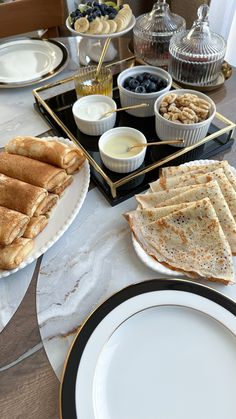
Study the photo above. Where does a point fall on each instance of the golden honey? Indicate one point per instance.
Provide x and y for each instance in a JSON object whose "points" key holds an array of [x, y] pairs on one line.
{"points": [[86, 84]]}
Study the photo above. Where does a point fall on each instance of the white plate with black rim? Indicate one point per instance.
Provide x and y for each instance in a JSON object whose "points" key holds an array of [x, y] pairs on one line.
{"points": [[159, 349], [151, 262], [63, 214], [24, 62]]}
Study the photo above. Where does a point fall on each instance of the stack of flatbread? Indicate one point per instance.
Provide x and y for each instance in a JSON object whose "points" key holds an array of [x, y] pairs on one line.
{"points": [[188, 221], [34, 173]]}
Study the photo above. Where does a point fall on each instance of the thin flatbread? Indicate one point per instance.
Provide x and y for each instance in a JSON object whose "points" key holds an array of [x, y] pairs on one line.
{"points": [[31, 171], [12, 256], [212, 191], [151, 200], [52, 152], [12, 225], [196, 168], [192, 241], [196, 178]]}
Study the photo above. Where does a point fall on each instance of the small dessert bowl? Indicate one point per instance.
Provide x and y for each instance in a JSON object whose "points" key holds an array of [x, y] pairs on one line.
{"points": [[114, 149], [128, 97], [88, 109], [191, 133]]}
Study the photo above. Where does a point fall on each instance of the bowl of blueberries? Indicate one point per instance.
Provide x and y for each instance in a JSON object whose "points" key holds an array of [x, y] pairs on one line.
{"points": [[142, 84]]}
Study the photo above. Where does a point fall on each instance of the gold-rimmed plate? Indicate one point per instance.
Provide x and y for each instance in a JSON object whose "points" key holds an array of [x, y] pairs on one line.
{"points": [[27, 61], [148, 351]]}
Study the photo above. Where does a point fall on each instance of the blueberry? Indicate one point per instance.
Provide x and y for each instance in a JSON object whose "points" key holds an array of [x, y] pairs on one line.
{"points": [[140, 78], [90, 18], [153, 87], [112, 16], [89, 3], [95, 3], [146, 84], [140, 89], [154, 78], [89, 11], [73, 15], [127, 88], [126, 82], [133, 83], [146, 76]]}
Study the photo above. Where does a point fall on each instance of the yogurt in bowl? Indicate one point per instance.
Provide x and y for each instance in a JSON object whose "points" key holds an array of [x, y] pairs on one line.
{"points": [[114, 149], [88, 110]]}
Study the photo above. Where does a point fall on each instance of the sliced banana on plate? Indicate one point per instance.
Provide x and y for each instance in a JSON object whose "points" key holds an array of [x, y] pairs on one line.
{"points": [[106, 27], [95, 27], [81, 25], [113, 26]]}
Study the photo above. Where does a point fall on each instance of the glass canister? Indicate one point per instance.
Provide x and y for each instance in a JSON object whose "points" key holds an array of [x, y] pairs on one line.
{"points": [[153, 31], [196, 55]]}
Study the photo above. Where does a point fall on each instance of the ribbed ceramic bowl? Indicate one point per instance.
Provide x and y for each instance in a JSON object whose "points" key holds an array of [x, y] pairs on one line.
{"points": [[97, 127], [128, 98], [190, 133], [126, 164]]}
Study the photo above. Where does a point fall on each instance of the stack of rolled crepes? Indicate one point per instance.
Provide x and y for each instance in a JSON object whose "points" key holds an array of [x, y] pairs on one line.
{"points": [[34, 173]]}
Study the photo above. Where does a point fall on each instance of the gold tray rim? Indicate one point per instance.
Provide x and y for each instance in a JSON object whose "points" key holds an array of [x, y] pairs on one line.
{"points": [[114, 185]]}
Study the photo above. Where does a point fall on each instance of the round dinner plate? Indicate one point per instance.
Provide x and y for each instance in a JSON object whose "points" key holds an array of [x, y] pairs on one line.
{"points": [[104, 36], [62, 214], [27, 61], [149, 260], [158, 349]]}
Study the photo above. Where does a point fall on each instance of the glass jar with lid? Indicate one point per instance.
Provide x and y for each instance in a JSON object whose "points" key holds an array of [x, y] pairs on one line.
{"points": [[153, 31], [196, 55]]}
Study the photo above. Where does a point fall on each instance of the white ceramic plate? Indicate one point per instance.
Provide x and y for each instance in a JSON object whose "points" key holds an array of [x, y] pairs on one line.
{"points": [[27, 61], [149, 260], [105, 36], [62, 215], [156, 350]]}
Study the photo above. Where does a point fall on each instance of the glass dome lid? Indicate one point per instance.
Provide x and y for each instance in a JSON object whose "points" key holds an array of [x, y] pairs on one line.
{"points": [[199, 41], [160, 21]]}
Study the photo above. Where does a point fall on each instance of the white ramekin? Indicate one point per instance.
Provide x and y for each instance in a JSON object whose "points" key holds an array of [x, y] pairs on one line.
{"points": [[94, 127], [190, 133], [128, 98], [127, 164]]}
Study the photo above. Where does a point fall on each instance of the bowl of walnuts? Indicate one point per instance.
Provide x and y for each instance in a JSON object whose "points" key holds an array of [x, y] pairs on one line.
{"points": [[183, 114]]}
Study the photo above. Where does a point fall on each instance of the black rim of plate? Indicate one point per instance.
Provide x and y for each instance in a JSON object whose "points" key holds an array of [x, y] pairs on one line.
{"points": [[61, 65], [67, 390]]}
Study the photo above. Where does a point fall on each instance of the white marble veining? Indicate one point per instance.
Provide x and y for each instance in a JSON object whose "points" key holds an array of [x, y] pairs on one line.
{"points": [[93, 259]]}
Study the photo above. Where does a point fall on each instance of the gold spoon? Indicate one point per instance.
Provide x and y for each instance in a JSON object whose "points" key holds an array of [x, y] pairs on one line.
{"points": [[156, 143], [141, 105]]}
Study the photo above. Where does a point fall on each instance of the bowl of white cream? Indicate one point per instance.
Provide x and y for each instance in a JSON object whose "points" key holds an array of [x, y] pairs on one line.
{"points": [[88, 113], [117, 154]]}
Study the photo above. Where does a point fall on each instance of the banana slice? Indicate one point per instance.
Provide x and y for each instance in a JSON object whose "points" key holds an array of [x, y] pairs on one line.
{"points": [[113, 26], [81, 25], [95, 27], [106, 27]]}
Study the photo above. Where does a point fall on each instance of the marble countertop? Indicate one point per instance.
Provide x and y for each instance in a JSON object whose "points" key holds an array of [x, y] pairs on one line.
{"points": [[93, 259]]}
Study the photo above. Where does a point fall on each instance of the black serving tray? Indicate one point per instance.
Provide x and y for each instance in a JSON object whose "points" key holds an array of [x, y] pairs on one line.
{"points": [[57, 110]]}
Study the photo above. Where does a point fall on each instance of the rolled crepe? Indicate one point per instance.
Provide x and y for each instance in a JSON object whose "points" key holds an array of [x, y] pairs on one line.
{"points": [[46, 205], [20, 196], [12, 225], [61, 188], [12, 256], [52, 152], [35, 226], [192, 241], [31, 171]]}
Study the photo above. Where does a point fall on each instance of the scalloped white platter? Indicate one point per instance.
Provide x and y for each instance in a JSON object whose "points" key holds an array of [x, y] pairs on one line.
{"points": [[62, 215], [149, 260], [104, 36]]}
